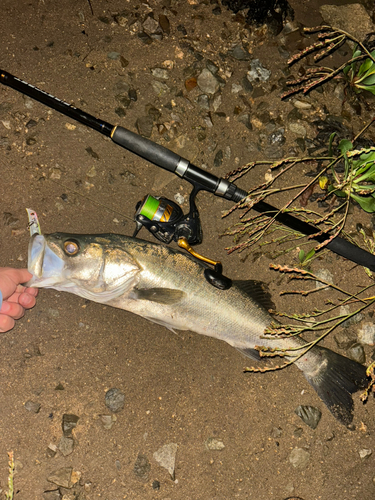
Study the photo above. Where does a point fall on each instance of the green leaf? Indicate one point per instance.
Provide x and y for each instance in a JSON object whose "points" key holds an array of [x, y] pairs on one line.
{"points": [[367, 203], [345, 145], [301, 256], [331, 137], [369, 80], [365, 66]]}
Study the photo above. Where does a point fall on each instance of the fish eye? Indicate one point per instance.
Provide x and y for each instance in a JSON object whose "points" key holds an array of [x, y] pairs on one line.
{"points": [[71, 247]]}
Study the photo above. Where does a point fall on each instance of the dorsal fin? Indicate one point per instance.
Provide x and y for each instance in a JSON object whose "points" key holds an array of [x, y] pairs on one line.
{"points": [[256, 290]]}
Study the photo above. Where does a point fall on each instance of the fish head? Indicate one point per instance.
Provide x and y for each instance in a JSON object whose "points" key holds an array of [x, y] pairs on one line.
{"points": [[93, 266]]}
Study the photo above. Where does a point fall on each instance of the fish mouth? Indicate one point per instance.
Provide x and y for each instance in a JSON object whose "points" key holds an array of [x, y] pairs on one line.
{"points": [[43, 263]]}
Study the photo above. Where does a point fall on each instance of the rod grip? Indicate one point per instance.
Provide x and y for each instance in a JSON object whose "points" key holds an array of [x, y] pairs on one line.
{"points": [[149, 150]]}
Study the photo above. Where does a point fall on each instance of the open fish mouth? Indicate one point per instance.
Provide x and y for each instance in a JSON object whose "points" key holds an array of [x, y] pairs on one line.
{"points": [[45, 266]]}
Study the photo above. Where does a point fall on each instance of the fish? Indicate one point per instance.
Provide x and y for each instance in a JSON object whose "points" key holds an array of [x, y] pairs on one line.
{"points": [[168, 287]]}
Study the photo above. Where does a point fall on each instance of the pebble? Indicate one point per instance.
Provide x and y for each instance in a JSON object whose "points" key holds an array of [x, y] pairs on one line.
{"points": [[325, 275], [145, 125], [366, 335], [357, 353], [66, 445], [108, 421], [297, 129], [258, 73], [207, 82], [62, 477], [32, 406], [114, 400], [365, 453], [239, 53], [179, 198], [301, 104], [160, 88], [69, 422], [166, 457], [52, 495], [214, 444], [218, 160], [161, 73], [142, 467], [204, 101], [344, 338], [357, 318], [299, 458], [277, 138], [113, 55], [309, 414], [245, 119], [151, 25], [236, 88]]}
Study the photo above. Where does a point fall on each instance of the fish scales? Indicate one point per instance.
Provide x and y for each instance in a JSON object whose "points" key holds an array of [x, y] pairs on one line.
{"points": [[168, 287]]}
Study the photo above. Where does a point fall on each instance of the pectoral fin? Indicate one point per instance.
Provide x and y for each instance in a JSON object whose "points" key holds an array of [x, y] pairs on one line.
{"points": [[165, 296]]}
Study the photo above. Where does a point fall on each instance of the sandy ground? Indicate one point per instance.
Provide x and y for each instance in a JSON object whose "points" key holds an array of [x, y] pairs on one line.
{"points": [[67, 352]]}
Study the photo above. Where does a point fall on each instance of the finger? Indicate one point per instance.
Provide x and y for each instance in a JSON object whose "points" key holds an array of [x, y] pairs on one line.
{"points": [[29, 290], [12, 309], [19, 275], [26, 300], [6, 323]]}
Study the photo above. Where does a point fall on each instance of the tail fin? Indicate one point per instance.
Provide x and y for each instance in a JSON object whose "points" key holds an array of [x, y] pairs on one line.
{"points": [[336, 383]]}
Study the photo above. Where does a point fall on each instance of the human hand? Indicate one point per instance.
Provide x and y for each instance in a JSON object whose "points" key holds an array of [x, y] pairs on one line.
{"points": [[16, 298]]}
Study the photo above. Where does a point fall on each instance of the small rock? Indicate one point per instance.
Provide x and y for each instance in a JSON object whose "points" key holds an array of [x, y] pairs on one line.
{"points": [[245, 119], [150, 25], [207, 82], [32, 406], [145, 125], [325, 275], [276, 432], [344, 338], [142, 468], [301, 104], [113, 55], [357, 353], [179, 198], [204, 101], [214, 444], [309, 414], [366, 335], [297, 129], [160, 88], [69, 422], [164, 24], [160, 73], [357, 318], [236, 88], [258, 73], [114, 400], [239, 53], [66, 445], [277, 138], [299, 458], [166, 457], [364, 453], [108, 421], [155, 485], [52, 495], [246, 84], [218, 160], [62, 477]]}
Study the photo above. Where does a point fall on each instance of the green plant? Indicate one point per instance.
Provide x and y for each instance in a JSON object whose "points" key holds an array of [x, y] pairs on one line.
{"points": [[361, 77], [358, 179]]}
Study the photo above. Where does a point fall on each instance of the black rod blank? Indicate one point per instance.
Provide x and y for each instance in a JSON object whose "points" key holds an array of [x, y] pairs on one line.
{"points": [[167, 159]]}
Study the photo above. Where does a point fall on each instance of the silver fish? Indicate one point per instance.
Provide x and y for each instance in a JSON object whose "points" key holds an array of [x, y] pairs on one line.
{"points": [[168, 287]]}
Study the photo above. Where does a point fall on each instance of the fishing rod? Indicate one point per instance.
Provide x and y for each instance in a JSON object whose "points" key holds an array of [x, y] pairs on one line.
{"points": [[164, 218]]}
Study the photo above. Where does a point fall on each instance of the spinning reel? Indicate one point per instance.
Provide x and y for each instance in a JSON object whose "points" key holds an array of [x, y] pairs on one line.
{"points": [[166, 221]]}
